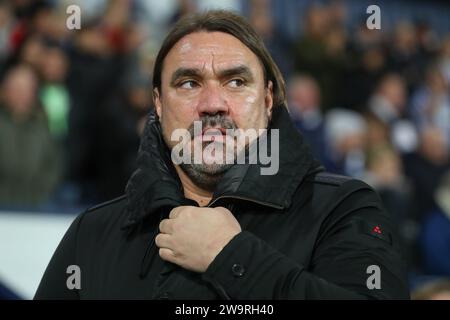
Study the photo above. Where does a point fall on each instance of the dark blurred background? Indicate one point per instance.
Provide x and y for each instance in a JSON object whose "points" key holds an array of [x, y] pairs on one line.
{"points": [[374, 104]]}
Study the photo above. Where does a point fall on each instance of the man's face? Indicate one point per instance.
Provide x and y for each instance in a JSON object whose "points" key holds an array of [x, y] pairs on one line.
{"points": [[215, 78], [19, 91]]}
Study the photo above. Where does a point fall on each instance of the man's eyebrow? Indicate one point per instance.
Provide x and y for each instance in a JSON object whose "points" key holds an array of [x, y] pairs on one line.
{"points": [[184, 72], [241, 70]]}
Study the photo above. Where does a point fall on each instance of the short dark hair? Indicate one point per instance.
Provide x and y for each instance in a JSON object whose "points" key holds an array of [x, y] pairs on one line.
{"points": [[233, 24]]}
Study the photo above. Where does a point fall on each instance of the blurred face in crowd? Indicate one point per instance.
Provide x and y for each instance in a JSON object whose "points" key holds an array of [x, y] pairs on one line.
{"points": [[19, 91], [393, 88], [33, 52], [54, 66], [373, 59], [93, 41], [261, 18], [434, 146], [436, 81], [385, 165], [317, 21], [214, 77], [304, 94], [405, 37], [139, 98]]}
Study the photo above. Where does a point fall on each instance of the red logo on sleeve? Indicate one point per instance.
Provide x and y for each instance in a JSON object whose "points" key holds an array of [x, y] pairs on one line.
{"points": [[377, 229]]}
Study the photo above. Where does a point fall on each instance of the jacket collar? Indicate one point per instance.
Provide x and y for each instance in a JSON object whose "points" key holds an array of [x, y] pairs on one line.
{"points": [[155, 184]]}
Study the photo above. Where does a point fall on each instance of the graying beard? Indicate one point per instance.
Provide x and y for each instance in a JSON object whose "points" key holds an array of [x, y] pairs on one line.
{"points": [[205, 179]]}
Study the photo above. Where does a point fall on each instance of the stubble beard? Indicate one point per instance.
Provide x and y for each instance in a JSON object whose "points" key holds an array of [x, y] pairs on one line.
{"points": [[205, 175]]}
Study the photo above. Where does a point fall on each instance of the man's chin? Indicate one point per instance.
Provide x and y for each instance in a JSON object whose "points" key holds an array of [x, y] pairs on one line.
{"points": [[205, 176], [207, 169]]}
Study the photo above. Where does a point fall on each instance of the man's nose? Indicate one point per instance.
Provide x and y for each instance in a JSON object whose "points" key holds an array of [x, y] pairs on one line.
{"points": [[212, 101]]}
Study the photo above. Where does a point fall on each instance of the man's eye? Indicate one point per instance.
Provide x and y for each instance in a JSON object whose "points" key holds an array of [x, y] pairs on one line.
{"points": [[188, 84], [236, 83]]}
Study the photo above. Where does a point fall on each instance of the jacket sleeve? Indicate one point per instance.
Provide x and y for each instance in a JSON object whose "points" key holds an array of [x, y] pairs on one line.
{"points": [[342, 265], [53, 284]]}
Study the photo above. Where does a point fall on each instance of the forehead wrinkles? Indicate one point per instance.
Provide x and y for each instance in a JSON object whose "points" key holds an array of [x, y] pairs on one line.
{"points": [[209, 51], [215, 42], [211, 61]]}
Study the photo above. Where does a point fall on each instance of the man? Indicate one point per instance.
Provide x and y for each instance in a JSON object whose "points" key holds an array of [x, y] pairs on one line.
{"points": [[30, 166], [221, 231]]}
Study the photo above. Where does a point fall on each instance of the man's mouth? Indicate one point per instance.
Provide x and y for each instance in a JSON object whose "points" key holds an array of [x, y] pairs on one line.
{"points": [[214, 134]]}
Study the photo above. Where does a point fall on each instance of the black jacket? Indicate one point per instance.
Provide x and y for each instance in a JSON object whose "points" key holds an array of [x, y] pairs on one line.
{"points": [[306, 235]]}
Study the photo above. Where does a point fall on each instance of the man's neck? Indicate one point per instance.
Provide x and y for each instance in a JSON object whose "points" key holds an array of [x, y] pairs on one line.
{"points": [[191, 191]]}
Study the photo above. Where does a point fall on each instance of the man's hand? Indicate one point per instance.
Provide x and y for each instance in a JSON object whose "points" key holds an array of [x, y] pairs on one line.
{"points": [[192, 237]]}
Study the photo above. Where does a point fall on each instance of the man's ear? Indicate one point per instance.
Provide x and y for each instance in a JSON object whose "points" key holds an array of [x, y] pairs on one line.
{"points": [[269, 99], [157, 102]]}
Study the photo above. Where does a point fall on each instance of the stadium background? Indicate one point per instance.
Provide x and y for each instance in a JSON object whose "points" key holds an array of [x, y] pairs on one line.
{"points": [[374, 104]]}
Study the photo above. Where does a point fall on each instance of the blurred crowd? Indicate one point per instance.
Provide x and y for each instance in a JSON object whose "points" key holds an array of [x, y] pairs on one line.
{"points": [[374, 104]]}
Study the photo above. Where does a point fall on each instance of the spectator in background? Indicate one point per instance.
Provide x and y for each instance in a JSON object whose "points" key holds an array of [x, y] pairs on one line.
{"points": [[116, 25], [304, 107], [388, 102], [48, 22], [99, 57], [425, 168], [320, 52], [279, 46], [431, 103], [346, 134], [97, 64], [427, 40], [444, 58], [362, 76], [364, 38], [124, 117], [56, 103], [37, 18], [368, 54], [404, 56], [29, 162], [34, 23], [386, 116], [32, 51], [54, 94], [385, 173], [435, 237]]}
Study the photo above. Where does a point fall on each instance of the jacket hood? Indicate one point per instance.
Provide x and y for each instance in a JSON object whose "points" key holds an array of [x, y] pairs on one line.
{"points": [[155, 184]]}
